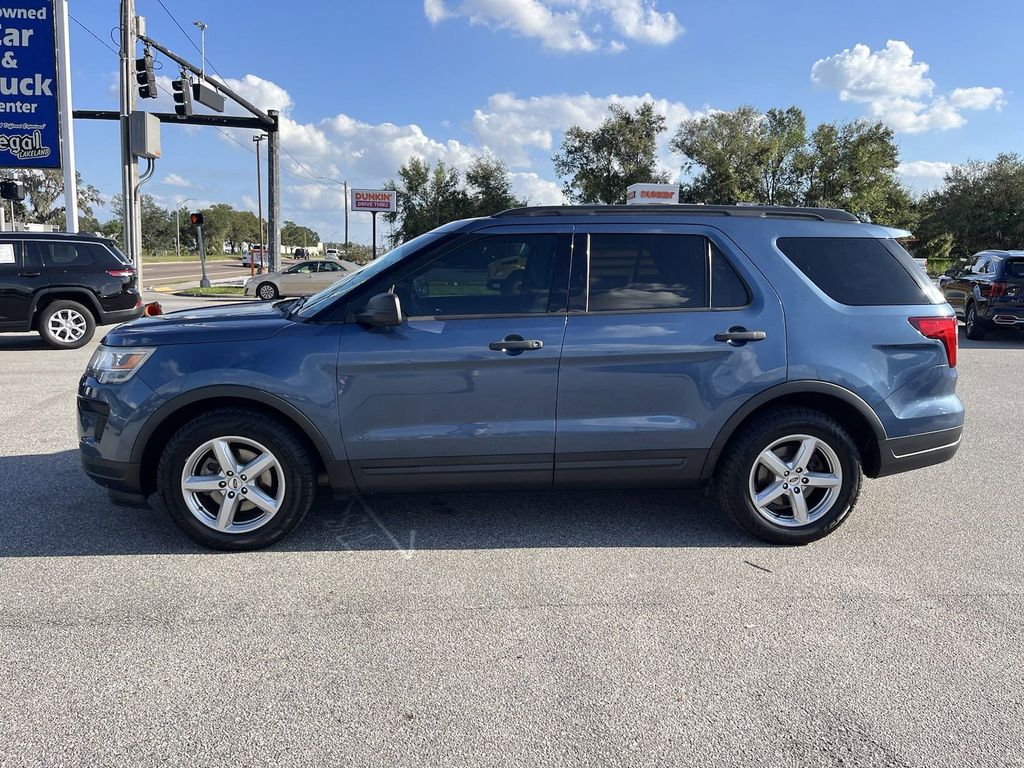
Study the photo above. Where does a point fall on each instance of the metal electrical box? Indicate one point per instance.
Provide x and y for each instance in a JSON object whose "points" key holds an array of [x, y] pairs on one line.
{"points": [[145, 135]]}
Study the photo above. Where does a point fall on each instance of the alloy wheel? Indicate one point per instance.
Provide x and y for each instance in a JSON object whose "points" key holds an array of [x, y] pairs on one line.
{"points": [[67, 325], [267, 292], [233, 484], [795, 481]]}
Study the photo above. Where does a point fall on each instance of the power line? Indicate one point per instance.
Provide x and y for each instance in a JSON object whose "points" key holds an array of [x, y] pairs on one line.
{"points": [[99, 39]]}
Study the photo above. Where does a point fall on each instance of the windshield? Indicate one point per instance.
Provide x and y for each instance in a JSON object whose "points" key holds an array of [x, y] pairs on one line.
{"points": [[318, 301]]}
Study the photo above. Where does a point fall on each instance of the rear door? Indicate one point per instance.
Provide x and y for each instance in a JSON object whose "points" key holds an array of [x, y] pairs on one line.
{"points": [[658, 352], [462, 393], [21, 275]]}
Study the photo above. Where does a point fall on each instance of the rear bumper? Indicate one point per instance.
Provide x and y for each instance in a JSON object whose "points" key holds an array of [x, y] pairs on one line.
{"points": [[1008, 318], [122, 315], [902, 454]]}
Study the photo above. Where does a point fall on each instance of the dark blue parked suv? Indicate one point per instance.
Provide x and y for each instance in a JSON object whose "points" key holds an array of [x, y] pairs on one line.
{"points": [[781, 352]]}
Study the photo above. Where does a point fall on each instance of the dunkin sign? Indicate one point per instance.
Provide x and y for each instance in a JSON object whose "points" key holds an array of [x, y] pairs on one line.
{"points": [[379, 200], [637, 194]]}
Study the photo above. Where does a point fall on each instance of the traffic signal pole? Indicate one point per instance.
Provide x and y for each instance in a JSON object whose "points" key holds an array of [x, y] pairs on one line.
{"points": [[274, 191], [131, 220]]}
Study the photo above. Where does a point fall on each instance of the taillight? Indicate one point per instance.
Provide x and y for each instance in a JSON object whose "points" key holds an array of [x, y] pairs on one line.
{"points": [[941, 328], [121, 272], [995, 290]]}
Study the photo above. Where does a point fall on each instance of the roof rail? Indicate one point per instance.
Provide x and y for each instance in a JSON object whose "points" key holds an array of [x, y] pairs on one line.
{"points": [[684, 209]]}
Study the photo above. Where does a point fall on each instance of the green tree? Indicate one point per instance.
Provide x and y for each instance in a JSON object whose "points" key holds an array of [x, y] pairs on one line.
{"points": [[294, 235], [427, 198], [981, 205], [158, 227], [43, 188], [598, 165], [490, 186]]}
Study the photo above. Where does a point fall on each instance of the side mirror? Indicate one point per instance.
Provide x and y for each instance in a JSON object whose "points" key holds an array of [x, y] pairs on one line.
{"points": [[950, 272], [382, 311]]}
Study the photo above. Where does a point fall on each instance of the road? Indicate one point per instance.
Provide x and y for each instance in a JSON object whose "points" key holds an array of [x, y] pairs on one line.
{"points": [[581, 629], [176, 272]]}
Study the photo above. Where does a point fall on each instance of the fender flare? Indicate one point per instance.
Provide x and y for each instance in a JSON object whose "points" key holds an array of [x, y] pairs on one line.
{"points": [[799, 387], [90, 300], [256, 396]]}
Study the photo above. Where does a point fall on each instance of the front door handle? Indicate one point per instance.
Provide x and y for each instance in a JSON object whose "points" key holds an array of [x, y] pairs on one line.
{"points": [[29, 274], [514, 344], [738, 336]]}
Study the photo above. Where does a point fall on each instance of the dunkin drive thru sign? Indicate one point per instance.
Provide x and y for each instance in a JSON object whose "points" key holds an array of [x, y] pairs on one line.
{"points": [[29, 115], [645, 194], [379, 200]]}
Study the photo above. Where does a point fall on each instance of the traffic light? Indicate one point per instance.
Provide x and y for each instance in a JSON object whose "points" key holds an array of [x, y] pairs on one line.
{"points": [[182, 97], [197, 219], [12, 190], [144, 76]]}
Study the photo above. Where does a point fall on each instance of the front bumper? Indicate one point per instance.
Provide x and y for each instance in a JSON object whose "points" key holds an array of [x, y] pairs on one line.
{"points": [[902, 454]]}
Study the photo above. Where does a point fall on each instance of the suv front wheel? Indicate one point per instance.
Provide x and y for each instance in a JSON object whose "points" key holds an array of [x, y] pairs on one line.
{"points": [[66, 325], [791, 477], [236, 479]]}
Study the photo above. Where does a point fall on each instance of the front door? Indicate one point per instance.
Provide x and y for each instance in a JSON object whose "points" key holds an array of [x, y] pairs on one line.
{"points": [[659, 351], [462, 393]]}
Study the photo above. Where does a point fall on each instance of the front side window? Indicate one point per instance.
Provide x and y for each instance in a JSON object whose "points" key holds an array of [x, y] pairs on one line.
{"points": [[301, 269], [492, 275]]}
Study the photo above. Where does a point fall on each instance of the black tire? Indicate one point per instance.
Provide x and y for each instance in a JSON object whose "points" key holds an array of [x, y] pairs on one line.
{"points": [[974, 329], [267, 291], [66, 325], [739, 462], [296, 466]]}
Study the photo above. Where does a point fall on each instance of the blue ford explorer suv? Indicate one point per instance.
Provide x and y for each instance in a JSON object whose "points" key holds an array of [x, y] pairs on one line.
{"points": [[782, 353]]}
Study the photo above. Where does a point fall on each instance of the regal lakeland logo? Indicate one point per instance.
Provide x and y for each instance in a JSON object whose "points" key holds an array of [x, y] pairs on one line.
{"points": [[25, 146]]}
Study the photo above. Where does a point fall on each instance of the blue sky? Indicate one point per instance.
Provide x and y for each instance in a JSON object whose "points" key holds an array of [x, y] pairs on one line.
{"points": [[364, 85]]}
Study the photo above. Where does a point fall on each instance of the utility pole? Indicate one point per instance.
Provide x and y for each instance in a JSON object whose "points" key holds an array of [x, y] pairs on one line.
{"points": [[131, 221], [259, 201], [274, 189], [67, 127], [346, 216]]}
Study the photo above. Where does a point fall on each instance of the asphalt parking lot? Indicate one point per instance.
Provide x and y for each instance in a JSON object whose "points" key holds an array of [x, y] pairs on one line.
{"points": [[536, 629]]}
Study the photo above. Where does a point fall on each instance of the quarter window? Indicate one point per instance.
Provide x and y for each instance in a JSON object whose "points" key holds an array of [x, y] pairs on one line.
{"points": [[494, 275]]}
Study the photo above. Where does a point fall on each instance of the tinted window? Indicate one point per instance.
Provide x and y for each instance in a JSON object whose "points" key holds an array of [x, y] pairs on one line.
{"points": [[637, 271], [727, 287], [302, 269], [1013, 268], [500, 274], [63, 255], [855, 271], [330, 266]]}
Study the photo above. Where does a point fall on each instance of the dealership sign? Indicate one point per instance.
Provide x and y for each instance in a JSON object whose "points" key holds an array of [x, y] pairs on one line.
{"points": [[374, 200], [29, 114], [637, 194]]}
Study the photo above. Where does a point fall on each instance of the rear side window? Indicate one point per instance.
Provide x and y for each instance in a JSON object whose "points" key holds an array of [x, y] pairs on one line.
{"points": [[635, 271], [61, 255], [661, 272], [858, 271]]}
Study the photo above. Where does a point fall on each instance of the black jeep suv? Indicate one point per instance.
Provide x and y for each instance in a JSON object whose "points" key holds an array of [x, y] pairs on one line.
{"points": [[988, 294], [64, 285]]}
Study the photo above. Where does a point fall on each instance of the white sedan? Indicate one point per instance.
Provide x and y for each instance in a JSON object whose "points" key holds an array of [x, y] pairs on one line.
{"points": [[302, 279]]}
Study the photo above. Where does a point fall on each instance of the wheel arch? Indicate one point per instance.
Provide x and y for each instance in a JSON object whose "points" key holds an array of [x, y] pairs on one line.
{"points": [[175, 413], [46, 296], [845, 406]]}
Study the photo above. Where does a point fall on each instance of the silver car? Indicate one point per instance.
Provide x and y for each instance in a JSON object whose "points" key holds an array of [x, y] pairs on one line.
{"points": [[302, 279]]}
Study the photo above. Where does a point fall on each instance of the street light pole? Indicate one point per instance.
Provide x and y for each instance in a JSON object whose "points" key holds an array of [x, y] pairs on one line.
{"points": [[202, 35], [259, 198]]}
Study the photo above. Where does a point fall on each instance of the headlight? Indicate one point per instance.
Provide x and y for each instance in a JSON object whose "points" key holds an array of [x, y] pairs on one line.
{"points": [[115, 365]]}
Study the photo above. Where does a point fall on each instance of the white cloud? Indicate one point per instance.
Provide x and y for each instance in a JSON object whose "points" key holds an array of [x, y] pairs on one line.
{"points": [[174, 180], [565, 25], [896, 89], [515, 128], [535, 190], [924, 174], [263, 94], [435, 11]]}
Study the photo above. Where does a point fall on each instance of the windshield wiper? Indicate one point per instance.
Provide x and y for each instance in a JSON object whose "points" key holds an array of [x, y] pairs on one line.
{"points": [[295, 307]]}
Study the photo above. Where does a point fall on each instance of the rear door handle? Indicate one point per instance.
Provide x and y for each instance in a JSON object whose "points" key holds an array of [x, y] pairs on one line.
{"points": [[515, 344], [29, 274], [738, 335]]}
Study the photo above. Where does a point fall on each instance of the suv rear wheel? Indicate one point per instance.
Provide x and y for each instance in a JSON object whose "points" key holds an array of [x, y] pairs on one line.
{"points": [[235, 479], [791, 477], [66, 325], [973, 328]]}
